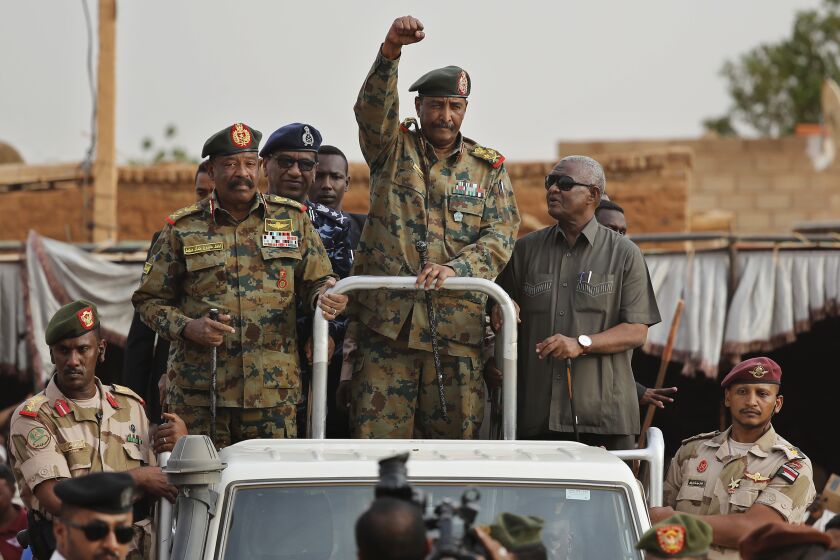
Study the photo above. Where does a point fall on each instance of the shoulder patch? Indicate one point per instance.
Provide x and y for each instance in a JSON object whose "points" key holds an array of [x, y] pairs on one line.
{"points": [[494, 158], [707, 435], [788, 472], [30, 407], [285, 201], [123, 390], [178, 214], [407, 124]]}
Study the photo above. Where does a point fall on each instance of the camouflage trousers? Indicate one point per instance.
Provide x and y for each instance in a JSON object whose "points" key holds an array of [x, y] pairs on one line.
{"points": [[238, 424], [395, 392]]}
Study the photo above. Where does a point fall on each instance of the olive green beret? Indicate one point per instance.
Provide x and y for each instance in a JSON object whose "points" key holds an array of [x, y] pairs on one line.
{"points": [[237, 138], [451, 81], [679, 536], [518, 533], [72, 320]]}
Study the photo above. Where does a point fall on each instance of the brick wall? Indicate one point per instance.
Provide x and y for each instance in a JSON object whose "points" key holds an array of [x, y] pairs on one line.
{"points": [[766, 184]]}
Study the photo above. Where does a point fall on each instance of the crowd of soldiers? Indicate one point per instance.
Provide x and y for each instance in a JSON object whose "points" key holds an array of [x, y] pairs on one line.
{"points": [[232, 282]]}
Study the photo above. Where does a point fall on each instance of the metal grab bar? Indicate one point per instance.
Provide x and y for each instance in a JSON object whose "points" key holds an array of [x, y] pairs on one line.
{"points": [[654, 454], [407, 283], [164, 518]]}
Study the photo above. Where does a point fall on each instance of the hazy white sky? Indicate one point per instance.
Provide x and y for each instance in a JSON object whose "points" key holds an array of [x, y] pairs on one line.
{"points": [[541, 70]]}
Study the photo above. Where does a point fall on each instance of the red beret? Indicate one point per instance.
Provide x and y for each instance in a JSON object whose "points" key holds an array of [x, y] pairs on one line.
{"points": [[754, 370], [767, 540]]}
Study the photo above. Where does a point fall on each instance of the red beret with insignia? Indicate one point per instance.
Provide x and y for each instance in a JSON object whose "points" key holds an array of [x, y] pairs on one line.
{"points": [[754, 370]]}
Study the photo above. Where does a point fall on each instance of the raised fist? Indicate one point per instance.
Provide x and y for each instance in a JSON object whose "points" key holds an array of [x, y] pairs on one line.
{"points": [[404, 31]]}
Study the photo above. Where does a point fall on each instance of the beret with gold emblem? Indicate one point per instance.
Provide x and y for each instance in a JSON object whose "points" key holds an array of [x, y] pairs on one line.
{"points": [[105, 492], [679, 536], [754, 370], [74, 319], [235, 139], [451, 81]]}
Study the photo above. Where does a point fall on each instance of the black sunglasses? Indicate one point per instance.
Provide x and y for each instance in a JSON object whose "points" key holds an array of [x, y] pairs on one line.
{"points": [[563, 182], [98, 530], [286, 162]]}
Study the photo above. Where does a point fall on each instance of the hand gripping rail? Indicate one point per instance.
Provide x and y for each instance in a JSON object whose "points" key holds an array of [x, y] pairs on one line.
{"points": [[407, 283], [654, 454]]}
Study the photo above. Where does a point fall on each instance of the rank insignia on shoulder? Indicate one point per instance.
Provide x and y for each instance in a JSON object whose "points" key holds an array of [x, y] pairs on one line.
{"points": [[487, 154], [788, 473], [283, 200], [147, 268], [127, 391], [111, 400], [178, 214], [280, 239], [32, 405], [204, 248], [61, 408], [278, 225]]}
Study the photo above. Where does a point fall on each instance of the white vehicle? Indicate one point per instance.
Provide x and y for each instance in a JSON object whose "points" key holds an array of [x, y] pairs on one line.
{"points": [[299, 499]]}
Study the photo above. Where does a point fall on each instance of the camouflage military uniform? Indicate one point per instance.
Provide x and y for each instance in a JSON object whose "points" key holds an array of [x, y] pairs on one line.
{"points": [[706, 479], [251, 270], [468, 217]]}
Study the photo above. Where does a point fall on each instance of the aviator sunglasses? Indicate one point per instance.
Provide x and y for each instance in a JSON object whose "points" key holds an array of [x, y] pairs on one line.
{"points": [[286, 162], [98, 530], [563, 182]]}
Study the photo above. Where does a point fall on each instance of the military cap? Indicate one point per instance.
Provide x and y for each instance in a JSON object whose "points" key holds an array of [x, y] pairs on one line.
{"points": [[775, 539], [74, 319], [450, 81], [235, 139], [295, 137], [105, 492], [518, 533], [754, 370], [679, 536]]}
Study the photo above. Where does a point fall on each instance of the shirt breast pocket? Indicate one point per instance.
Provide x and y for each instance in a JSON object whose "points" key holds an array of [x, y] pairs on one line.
{"points": [[693, 494], [133, 456], [594, 293], [277, 297], [206, 274], [745, 496], [536, 293], [463, 221]]}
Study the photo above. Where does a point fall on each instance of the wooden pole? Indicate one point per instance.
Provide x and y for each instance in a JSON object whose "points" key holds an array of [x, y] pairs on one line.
{"points": [[104, 208]]}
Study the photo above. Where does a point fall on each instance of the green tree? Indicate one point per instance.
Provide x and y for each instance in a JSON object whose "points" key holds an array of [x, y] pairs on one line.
{"points": [[777, 85], [165, 152]]}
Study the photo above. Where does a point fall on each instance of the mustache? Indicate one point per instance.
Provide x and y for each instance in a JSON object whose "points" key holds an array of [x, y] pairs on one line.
{"points": [[444, 125], [71, 371], [235, 182]]}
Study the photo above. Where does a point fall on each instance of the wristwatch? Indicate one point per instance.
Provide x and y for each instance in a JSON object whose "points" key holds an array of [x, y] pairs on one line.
{"points": [[585, 342]]}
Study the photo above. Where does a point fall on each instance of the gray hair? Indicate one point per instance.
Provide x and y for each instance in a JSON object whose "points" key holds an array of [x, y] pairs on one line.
{"points": [[592, 168]]}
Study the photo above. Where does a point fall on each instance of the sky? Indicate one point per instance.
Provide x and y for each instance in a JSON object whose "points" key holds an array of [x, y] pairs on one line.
{"points": [[541, 71]]}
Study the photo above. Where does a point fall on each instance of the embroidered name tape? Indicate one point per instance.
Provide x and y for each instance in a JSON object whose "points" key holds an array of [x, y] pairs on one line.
{"points": [[203, 248]]}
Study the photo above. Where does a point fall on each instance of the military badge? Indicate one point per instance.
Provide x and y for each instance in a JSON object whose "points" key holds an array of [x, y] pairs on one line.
{"points": [[132, 428], [240, 135], [697, 483], [671, 538], [75, 445], [788, 473], [280, 239], [32, 405], [86, 318], [61, 408], [203, 248], [756, 477], [733, 485], [465, 188], [134, 438], [462, 83], [307, 138], [758, 371], [38, 438], [458, 217], [147, 268], [702, 466], [278, 225], [282, 283], [111, 400]]}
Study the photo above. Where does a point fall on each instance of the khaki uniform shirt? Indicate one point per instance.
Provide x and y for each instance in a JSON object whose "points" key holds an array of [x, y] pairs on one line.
{"points": [[53, 437], [599, 283], [467, 214], [251, 270], [705, 479]]}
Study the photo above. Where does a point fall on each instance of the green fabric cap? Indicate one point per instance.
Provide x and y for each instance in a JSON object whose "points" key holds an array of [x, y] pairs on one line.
{"points": [[451, 81], [237, 138], [679, 536], [518, 532], [74, 319]]}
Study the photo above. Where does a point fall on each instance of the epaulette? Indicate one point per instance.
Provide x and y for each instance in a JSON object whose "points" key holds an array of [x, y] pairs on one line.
{"points": [[791, 451], [287, 201], [489, 155], [707, 435], [30, 407], [178, 214], [123, 390], [407, 124]]}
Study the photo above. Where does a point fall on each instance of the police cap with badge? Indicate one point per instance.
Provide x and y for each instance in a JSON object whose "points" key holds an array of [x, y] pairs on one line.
{"points": [[294, 137], [235, 139], [75, 319], [754, 370], [450, 81]]}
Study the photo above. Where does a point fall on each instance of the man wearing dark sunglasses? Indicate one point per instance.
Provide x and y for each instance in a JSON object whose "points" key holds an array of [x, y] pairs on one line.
{"points": [[428, 183], [95, 519], [585, 295]]}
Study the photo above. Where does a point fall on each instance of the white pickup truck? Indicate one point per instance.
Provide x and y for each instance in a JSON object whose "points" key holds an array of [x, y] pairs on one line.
{"points": [[299, 499]]}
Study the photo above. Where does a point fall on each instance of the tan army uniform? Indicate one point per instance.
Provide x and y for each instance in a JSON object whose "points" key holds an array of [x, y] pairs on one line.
{"points": [[53, 437], [251, 270], [469, 219], [704, 479]]}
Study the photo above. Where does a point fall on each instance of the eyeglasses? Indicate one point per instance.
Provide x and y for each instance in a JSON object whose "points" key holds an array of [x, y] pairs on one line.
{"points": [[98, 530], [286, 162], [563, 182]]}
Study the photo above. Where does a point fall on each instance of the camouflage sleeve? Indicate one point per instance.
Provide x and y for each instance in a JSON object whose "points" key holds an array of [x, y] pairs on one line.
{"points": [[36, 452], [155, 299], [378, 109], [790, 499], [314, 268], [499, 224], [673, 479], [349, 348]]}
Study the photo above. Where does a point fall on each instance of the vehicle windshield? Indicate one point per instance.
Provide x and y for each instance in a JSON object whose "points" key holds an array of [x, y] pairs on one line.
{"points": [[317, 522]]}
